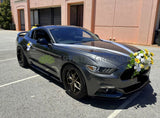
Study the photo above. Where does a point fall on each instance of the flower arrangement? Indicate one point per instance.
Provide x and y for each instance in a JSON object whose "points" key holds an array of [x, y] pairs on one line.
{"points": [[140, 61]]}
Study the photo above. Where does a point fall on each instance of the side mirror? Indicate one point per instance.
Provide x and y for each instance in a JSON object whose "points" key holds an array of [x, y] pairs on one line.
{"points": [[42, 41], [97, 35]]}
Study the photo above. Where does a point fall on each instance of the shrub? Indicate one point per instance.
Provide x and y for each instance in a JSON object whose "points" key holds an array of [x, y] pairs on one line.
{"points": [[5, 15]]}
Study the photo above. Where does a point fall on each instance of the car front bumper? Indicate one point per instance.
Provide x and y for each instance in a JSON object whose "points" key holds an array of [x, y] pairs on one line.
{"points": [[113, 86]]}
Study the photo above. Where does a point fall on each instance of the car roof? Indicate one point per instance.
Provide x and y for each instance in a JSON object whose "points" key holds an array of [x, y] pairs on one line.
{"points": [[57, 26]]}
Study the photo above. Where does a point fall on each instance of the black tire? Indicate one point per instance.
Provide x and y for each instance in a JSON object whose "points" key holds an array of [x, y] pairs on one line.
{"points": [[74, 83], [22, 60]]}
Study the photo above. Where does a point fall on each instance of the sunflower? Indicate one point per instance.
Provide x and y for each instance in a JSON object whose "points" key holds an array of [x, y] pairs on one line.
{"points": [[145, 57], [147, 53], [135, 54], [152, 54], [137, 60], [146, 50], [28, 44], [142, 66], [152, 62]]}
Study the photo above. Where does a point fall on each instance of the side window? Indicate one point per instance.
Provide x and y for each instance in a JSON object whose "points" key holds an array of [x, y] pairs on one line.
{"points": [[38, 34], [32, 35]]}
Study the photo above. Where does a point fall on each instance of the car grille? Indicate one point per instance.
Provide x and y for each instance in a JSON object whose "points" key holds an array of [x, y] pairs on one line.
{"points": [[143, 80], [127, 74]]}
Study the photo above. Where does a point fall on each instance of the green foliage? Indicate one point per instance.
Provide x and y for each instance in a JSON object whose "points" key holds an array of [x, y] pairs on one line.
{"points": [[5, 15], [131, 62], [135, 74]]}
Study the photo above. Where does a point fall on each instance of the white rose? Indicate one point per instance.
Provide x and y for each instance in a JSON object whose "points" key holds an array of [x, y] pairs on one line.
{"points": [[142, 60], [138, 57], [141, 55], [138, 68]]}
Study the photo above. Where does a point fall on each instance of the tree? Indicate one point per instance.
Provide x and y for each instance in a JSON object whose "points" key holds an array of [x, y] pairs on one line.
{"points": [[5, 14]]}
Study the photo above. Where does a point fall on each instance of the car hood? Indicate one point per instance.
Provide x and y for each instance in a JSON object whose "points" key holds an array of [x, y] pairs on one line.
{"points": [[114, 52]]}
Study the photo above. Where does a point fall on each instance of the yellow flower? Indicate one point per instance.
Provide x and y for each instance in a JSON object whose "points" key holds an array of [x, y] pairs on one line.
{"points": [[152, 54], [151, 58], [142, 66], [146, 50], [145, 57], [147, 53], [28, 44], [147, 68], [152, 62], [135, 54], [137, 60]]}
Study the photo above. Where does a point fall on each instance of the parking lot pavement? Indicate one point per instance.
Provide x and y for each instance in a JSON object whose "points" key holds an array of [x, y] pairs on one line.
{"points": [[27, 94], [7, 40], [7, 54]]}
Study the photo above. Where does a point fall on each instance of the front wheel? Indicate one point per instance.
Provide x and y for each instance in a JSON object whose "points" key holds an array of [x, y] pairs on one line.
{"points": [[74, 83], [22, 60]]}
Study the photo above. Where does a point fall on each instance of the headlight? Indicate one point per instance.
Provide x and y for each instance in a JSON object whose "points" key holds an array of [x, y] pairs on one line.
{"points": [[101, 70]]}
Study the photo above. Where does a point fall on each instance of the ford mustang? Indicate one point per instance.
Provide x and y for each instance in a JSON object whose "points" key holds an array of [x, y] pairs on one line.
{"points": [[84, 63]]}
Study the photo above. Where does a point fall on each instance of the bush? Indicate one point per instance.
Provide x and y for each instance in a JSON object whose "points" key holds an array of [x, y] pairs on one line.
{"points": [[5, 15]]}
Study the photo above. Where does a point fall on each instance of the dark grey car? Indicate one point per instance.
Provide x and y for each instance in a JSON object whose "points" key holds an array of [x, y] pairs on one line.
{"points": [[85, 64]]}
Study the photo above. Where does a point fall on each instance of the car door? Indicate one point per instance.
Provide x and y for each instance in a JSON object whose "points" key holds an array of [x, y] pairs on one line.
{"points": [[42, 52]]}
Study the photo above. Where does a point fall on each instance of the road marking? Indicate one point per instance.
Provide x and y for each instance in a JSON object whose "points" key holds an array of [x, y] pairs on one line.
{"points": [[7, 59], [4, 85], [124, 105]]}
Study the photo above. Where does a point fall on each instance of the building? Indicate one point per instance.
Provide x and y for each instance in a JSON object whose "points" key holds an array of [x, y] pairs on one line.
{"points": [[128, 21]]}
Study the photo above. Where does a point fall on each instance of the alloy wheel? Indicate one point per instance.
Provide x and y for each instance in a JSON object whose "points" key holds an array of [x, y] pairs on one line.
{"points": [[73, 81]]}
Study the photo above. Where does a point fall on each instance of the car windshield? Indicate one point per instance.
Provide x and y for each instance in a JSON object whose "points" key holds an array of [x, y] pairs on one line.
{"points": [[71, 35]]}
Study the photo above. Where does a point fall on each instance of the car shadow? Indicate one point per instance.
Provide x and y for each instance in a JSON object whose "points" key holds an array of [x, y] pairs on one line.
{"points": [[147, 97], [47, 77]]}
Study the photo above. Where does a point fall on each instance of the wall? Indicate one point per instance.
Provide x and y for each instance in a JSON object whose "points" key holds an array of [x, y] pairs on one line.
{"points": [[35, 4], [17, 5], [87, 17], [44, 3], [129, 21]]}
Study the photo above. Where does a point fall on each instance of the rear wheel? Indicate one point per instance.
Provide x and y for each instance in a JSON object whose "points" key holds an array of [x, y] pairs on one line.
{"points": [[22, 60], [74, 83]]}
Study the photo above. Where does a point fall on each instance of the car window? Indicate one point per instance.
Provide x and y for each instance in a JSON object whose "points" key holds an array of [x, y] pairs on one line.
{"points": [[72, 35], [38, 34], [32, 34]]}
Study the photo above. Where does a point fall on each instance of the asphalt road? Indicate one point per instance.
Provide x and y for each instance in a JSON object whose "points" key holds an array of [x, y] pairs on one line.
{"points": [[24, 93]]}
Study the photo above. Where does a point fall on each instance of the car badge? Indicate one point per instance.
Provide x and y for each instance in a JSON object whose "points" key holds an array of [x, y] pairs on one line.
{"points": [[29, 45]]}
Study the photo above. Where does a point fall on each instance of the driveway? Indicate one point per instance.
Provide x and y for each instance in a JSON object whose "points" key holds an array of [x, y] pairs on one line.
{"points": [[26, 93]]}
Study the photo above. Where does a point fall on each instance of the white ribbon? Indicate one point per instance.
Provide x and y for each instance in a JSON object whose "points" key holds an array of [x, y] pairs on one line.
{"points": [[119, 45], [91, 48]]}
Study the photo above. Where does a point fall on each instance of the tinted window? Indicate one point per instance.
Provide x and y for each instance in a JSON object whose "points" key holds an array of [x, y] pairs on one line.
{"points": [[38, 34], [72, 35]]}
